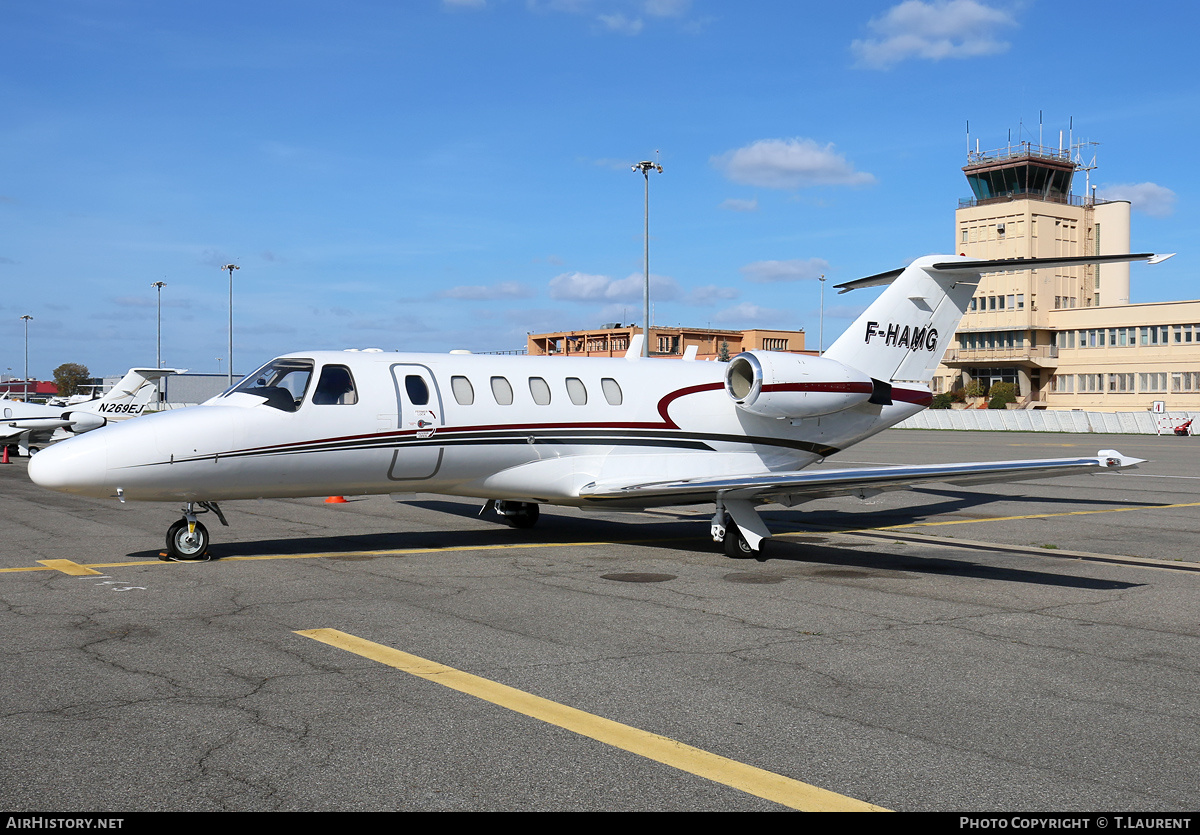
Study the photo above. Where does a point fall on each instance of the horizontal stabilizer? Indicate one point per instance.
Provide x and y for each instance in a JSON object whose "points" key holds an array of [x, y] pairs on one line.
{"points": [[795, 487], [1003, 264]]}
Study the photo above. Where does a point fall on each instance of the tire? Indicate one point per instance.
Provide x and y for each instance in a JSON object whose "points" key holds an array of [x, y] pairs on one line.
{"points": [[736, 546], [525, 516], [182, 547]]}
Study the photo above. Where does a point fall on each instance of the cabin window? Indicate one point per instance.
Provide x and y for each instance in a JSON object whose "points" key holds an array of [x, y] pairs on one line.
{"points": [[502, 391], [540, 390], [464, 392], [576, 391], [418, 391], [281, 383], [612, 391], [335, 388]]}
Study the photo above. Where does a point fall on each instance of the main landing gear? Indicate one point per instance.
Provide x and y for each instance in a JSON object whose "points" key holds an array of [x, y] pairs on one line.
{"points": [[515, 514], [739, 529], [187, 539]]}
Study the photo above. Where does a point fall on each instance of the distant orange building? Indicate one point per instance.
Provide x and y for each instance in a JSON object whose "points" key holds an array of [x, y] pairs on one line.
{"points": [[613, 341]]}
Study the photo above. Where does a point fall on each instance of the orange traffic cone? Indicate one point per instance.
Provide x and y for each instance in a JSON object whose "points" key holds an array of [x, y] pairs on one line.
{"points": [[5, 459], [336, 500]]}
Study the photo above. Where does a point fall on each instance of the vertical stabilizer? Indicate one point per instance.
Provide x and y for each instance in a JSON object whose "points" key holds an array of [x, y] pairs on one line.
{"points": [[906, 331]]}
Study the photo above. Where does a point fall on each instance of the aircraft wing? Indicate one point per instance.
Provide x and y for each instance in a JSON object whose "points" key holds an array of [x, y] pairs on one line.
{"points": [[794, 487]]}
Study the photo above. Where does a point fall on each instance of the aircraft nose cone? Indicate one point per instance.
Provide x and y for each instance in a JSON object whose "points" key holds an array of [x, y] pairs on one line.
{"points": [[79, 465]]}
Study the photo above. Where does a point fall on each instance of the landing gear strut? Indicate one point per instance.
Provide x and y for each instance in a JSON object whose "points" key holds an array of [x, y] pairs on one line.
{"points": [[516, 514], [739, 529], [187, 539]]}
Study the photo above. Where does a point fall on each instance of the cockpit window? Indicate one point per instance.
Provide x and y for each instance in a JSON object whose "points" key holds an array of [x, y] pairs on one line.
{"points": [[281, 382], [335, 387]]}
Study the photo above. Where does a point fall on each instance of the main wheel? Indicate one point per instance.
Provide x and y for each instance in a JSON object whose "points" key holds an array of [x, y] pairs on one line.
{"points": [[524, 515], [182, 545], [735, 544]]}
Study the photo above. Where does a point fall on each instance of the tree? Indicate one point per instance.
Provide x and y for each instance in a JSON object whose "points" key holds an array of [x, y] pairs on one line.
{"points": [[724, 355], [69, 377]]}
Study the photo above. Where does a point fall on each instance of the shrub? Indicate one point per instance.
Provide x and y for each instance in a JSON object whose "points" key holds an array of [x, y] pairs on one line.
{"points": [[975, 389], [1002, 394], [941, 401]]}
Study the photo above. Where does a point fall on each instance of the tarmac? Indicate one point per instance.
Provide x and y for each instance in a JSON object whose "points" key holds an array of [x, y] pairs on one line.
{"points": [[1026, 647]]}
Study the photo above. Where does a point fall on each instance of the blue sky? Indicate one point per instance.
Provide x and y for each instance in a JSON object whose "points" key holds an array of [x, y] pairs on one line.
{"points": [[430, 175]]}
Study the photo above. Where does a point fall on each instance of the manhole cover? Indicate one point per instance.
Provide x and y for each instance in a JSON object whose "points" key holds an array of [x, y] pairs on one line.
{"points": [[638, 577]]}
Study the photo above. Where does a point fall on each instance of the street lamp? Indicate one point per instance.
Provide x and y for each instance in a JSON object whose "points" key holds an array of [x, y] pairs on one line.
{"points": [[645, 166], [231, 268], [27, 319], [821, 329], [158, 348]]}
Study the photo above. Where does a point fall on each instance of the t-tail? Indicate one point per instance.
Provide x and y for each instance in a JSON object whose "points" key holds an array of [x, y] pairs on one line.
{"points": [[904, 334]]}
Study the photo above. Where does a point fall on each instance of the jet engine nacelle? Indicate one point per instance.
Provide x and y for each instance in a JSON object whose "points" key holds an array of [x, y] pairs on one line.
{"points": [[80, 422], [778, 385]]}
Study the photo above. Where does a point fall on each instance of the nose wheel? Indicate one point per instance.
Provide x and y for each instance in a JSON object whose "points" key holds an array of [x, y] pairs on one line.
{"points": [[188, 539], [184, 544]]}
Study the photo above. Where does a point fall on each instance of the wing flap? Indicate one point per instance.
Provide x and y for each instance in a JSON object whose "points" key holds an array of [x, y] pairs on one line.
{"points": [[797, 486]]}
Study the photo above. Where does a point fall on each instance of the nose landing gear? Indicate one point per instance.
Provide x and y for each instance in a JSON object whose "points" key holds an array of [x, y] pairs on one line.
{"points": [[187, 539], [516, 514]]}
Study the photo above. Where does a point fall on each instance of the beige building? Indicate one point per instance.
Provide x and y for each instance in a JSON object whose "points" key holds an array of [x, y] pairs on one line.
{"points": [[613, 341], [1067, 337]]}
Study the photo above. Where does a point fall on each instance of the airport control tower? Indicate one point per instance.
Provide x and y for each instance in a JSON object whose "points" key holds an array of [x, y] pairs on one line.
{"points": [[1022, 207]]}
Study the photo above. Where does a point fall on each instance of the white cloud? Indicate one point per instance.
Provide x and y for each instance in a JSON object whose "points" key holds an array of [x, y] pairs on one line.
{"points": [[710, 294], [626, 17], [765, 272], [1149, 198], [935, 30], [619, 23], [734, 204], [789, 164], [585, 287], [479, 292], [748, 313]]}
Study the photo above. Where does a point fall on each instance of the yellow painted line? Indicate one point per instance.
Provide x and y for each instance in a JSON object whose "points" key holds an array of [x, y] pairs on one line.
{"points": [[391, 552], [1035, 516], [68, 567], [746, 778], [809, 532]]}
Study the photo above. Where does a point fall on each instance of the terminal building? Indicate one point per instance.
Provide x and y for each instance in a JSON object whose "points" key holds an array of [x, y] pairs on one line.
{"points": [[1068, 338], [613, 339]]}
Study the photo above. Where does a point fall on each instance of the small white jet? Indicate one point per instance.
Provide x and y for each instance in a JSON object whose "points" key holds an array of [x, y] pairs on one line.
{"points": [[524, 431], [28, 426]]}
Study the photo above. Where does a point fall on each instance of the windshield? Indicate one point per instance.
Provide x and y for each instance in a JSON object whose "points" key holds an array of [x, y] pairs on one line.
{"points": [[282, 382]]}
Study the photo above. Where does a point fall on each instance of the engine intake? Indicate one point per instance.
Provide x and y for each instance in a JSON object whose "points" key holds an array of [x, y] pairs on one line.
{"points": [[778, 385]]}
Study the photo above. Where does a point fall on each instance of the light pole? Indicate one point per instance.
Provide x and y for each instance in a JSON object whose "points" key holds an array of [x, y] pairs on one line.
{"points": [[231, 268], [821, 328], [27, 319], [158, 346], [645, 166]]}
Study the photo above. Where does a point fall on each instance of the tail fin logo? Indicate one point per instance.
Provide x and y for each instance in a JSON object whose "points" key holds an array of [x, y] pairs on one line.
{"points": [[909, 336]]}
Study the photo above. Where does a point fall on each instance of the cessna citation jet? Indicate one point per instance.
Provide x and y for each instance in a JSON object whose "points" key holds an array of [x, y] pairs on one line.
{"points": [[29, 426], [524, 431]]}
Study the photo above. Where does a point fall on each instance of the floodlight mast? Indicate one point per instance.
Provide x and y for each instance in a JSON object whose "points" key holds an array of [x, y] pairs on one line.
{"points": [[27, 319], [158, 345], [231, 268], [645, 166]]}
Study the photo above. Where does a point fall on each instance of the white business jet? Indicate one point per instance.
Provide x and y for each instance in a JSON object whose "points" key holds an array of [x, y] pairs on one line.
{"points": [[524, 431], [30, 425]]}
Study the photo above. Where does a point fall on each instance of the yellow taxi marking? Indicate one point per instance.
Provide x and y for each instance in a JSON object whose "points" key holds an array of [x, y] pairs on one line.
{"points": [[68, 567], [388, 552], [1034, 516], [746, 778]]}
